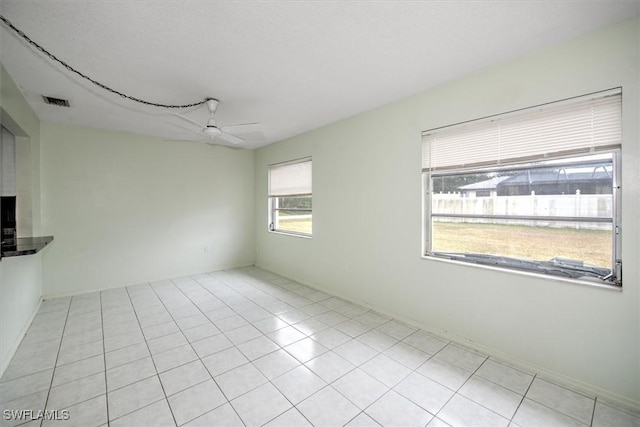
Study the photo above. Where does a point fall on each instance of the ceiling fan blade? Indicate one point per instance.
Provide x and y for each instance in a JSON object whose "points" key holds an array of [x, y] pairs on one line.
{"points": [[189, 137], [232, 139], [242, 128], [216, 144], [193, 122]]}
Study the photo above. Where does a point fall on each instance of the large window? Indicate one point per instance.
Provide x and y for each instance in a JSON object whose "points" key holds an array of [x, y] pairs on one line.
{"points": [[290, 202], [535, 190]]}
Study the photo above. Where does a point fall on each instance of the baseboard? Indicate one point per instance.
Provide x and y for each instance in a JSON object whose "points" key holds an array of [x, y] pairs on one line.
{"points": [[524, 365], [18, 340]]}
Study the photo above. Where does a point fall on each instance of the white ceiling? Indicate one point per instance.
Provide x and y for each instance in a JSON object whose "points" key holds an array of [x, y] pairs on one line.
{"points": [[290, 65]]}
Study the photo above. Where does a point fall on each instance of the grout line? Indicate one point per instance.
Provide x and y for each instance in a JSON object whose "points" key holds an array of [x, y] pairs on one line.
{"points": [[166, 398], [193, 349], [104, 360], [57, 357]]}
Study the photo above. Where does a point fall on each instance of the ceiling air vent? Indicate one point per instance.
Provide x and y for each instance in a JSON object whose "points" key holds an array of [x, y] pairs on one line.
{"points": [[56, 101]]}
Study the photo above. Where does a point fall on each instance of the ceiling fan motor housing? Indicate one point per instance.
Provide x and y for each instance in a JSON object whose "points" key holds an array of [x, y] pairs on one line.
{"points": [[212, 105]]}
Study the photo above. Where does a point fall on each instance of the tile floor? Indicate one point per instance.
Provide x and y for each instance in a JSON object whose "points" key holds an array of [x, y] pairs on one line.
{"points": [[247, 347]]}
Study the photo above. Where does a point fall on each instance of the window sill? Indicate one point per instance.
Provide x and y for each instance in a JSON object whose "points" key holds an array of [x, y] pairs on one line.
{"points": [[290, 233], [595, 283]]}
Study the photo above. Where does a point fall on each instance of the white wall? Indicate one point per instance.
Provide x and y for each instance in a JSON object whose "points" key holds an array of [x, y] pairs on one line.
{"points": [[127, 209], [20, 292], [20, 278], [370, 166]]}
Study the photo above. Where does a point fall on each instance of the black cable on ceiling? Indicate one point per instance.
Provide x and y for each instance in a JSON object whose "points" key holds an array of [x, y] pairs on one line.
{"points": [[84, 76]]}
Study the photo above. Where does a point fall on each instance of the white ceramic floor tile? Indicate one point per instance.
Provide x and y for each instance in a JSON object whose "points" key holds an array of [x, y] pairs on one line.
{"points": [[424, 392], [331, 338], [360, 388], [461, 411], [34, 402], [223, 361], [79, 352], [286, 336], [125, 355], [445, 373], [133, 397], [409, 356], [372, 319], [426, 342], [492, 396], [71, 340], [77, 370], [258, 347], [289, 419], [160, 330], [362, 420], [173, 358], [305, 349], [298, 384], [90, 413], [14, 389], [167, 342], [396, 329], [30, 366], [506, 376], [243, 334], [310, 326], [157, 414], [328, 408], [275, 364], [196, 401], [222, 416], [531, 414], [394, 410], [377, 340], [356, 352], [270, 324], [211, 345], [606, 415], [77, 391], [353, 328], [332, 318], [261, 405], [240, 380], [192, 321], [385, 370], [437, 422], [562, 400], [463, 358], [183, 377], [231, 322], [130, 373], [293, 316], [329, 366], [200, 332], [125, 339]]}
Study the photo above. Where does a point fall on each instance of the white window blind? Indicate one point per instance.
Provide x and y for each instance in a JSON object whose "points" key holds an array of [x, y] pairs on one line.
{"points": [[581, 125], [290, 179]]}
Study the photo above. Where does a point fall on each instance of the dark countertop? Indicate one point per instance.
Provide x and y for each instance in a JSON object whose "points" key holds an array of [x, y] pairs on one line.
{"points": [[26, 246]]}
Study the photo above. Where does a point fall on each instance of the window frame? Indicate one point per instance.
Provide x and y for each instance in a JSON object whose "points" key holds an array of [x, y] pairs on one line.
{"points": [[614, 280], [273, 201]]}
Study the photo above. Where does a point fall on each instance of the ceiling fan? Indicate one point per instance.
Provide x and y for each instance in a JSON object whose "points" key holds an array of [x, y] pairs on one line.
{"points": [[212, 134]]}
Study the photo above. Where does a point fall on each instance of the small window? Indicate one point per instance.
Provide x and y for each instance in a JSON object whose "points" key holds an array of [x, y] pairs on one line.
{"points": [[536, 190], [290, 197]]}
